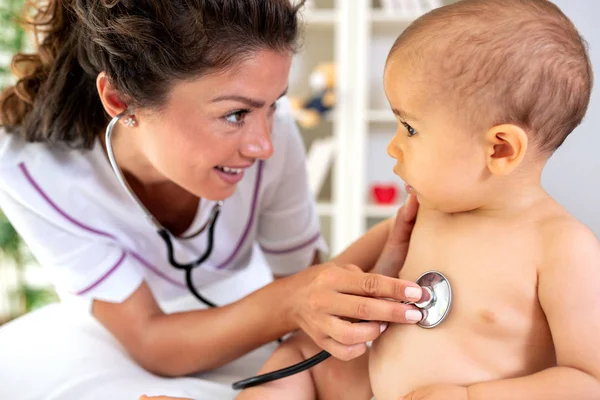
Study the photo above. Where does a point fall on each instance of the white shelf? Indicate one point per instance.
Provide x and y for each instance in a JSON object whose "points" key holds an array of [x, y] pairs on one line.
{"points": [[324, 209], [384, 18], [385, 116], [381, 116], [361, 37], [381, 211], [320, 18]]}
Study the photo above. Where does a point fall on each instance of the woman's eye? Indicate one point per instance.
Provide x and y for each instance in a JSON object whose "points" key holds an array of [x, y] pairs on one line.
{"points": [[411, 131], [236, 117]]}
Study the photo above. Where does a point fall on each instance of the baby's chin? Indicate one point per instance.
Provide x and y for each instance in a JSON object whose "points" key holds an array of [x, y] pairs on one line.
{"points": [[447, 207], [443, 205]]}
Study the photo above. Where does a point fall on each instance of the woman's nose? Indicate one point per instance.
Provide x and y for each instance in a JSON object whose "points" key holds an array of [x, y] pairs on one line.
{"points": [[258, 144]]}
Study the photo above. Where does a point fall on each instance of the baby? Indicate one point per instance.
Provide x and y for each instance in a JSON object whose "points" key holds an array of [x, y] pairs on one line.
{"points": [[484, 92]]}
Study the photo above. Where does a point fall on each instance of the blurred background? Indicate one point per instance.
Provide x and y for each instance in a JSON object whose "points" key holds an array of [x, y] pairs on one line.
{"points": [[24, 286], [338, 100]]}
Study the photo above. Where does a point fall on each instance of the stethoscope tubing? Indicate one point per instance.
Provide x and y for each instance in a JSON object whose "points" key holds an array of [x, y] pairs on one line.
{"points": [[282, 373], [166, 236]]}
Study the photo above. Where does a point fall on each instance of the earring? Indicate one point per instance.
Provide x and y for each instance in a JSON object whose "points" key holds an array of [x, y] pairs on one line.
{"points": [[130, 121]]}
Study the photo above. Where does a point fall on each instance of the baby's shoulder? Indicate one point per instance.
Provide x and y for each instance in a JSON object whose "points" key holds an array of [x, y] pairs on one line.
{"points": [[566, 241]]}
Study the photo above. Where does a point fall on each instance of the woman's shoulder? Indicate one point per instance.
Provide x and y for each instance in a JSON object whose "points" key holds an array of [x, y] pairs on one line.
{"points": [[39, 166], [11, 148], [69, 188], [15, 151]]}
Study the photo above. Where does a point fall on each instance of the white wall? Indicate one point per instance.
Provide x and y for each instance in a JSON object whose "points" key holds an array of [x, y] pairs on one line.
{"points": [[572, 175]]}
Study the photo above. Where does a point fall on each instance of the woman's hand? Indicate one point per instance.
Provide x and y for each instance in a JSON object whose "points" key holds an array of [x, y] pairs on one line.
{"points": [[392, 256], [328, 297]]}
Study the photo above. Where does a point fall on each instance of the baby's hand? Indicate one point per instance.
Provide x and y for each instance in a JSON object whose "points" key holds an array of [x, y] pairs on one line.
{"points": [[438, 392]]}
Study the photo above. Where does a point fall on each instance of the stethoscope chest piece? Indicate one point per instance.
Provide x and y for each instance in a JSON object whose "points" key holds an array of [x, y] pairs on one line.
{"points": [[436, 308]]}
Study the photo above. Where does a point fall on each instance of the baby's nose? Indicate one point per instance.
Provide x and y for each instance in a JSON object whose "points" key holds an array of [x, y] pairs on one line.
{"points": [[394, 150]]}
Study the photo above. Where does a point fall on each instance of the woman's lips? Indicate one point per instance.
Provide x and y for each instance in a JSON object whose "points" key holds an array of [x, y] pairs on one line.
{"points": [[229, 178]]}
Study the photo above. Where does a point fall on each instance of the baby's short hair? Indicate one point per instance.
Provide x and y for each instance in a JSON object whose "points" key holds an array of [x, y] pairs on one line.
{"points": [[504, 61]]}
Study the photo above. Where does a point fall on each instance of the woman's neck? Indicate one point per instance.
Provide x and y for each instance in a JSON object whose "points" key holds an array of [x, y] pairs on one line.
{"points": [[132, 162], [170, 204]]}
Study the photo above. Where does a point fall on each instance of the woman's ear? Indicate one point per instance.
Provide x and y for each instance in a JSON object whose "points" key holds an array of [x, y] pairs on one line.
{"points": [[505, 147], [111, 99]]}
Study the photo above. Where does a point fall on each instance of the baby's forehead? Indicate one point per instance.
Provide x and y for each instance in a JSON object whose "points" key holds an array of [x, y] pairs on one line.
{"points": [[480, 43], [406, 85], [492, 61]]}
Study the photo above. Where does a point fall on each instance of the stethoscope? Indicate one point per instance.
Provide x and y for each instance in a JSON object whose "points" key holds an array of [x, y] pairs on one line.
{"points": [[161, 230], [434, 309]]}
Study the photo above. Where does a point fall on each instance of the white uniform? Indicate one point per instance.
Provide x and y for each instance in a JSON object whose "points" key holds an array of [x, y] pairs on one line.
{"points": [[80, 224]]}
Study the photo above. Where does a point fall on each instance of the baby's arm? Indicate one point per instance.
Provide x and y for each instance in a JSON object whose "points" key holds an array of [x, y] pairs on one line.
{"points": [[330, 380], [569, 292]]}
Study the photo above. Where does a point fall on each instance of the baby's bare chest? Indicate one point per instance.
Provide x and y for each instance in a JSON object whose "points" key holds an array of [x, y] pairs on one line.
{"points": [[495, 328], [492, 273]]}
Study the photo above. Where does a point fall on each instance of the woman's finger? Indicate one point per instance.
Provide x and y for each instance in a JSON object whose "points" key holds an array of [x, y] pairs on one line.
{"points": [[404, 222], [352, 267], [411, 206], [371, 309], [349, 333], [375, 285], [392, 257], [341, 351]]}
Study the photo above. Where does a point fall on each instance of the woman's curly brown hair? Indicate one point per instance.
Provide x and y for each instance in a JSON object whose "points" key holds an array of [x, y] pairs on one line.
{"points": [[143, 46]]}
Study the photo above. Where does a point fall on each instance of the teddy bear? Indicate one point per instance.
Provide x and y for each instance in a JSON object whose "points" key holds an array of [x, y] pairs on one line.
{"points": [[309, 112]]}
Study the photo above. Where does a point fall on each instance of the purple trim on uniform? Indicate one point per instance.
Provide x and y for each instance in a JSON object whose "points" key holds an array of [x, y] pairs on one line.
{"points": [[135, 255], [250, 220], [57, 208], [292, 249], [103, 277], [95, 231], [154, 269]]}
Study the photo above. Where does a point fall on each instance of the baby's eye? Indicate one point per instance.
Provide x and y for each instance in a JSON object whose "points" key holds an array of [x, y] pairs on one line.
{"points": [[410, 129], [236, 117]]}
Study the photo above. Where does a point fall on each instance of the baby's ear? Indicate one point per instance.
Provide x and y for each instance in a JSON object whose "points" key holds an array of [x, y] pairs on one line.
{"points": [[505, 147]]}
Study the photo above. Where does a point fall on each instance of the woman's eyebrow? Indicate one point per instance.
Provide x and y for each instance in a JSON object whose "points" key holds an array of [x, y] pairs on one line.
{"points": [[254, 103], [242, 99]]}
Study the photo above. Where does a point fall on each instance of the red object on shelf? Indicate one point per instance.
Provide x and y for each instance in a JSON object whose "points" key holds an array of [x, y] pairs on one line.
{"points": [[384, 194]]}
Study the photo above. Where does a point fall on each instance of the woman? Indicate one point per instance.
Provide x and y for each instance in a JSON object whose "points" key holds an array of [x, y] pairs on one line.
{"points": [[195, 93]]}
